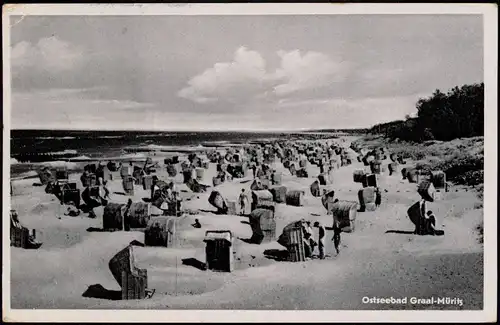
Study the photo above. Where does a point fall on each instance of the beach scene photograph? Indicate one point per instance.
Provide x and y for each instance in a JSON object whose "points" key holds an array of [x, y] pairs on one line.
{"points": [[246, 162]]}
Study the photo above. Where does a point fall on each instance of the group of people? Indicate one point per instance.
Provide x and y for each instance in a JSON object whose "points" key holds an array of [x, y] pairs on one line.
{"points": [[311, 243]]}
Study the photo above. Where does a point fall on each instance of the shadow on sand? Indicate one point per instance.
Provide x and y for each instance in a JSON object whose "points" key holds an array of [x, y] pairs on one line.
{"points": [[436, 233], [37, 184], [405, 232], [249, 240], [146, 199], [279, 255], [245, 222], [209, 211], [194, 263], [99, 292], [136, 243], [94, 229], [120, 193], [85, 208]]}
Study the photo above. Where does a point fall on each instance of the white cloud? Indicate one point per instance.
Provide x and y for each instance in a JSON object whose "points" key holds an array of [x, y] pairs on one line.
{"points": [[301, 72], [246, 78], [241, 77], [51, 54]]}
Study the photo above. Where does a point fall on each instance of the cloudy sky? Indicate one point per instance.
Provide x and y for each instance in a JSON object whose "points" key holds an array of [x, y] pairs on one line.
{"points": [[235, 72]]}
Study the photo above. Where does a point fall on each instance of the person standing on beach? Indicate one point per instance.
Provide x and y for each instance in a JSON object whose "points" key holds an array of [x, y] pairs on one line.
{"points": [[336, 232], [321, 167], [378, 197], [126, 216], [254, 169], [105, 191], [336, 236], [243, 200], [321, 239], [176, 203]]}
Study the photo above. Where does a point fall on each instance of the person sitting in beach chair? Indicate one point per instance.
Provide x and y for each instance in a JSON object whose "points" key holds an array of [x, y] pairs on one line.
{"points": [[420, 224], [92, 214], [430, 223], [306, 239], [14, 219], [308, 235], [72, 210]]}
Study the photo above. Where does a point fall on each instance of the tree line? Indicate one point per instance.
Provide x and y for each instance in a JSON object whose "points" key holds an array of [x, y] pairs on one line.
{"points": [[456, 114]]}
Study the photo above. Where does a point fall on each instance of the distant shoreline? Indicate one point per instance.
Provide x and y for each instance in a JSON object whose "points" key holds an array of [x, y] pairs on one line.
{"points": [[353, 130]]}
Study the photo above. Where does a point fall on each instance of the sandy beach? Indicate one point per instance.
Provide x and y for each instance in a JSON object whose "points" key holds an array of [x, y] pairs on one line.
{"points": [[371, 263]]}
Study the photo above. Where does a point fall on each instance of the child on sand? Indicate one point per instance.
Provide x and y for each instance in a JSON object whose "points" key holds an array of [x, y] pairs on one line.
{"points": [[196, 223]]}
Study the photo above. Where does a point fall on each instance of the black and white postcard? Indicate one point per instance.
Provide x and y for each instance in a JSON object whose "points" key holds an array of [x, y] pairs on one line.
{"points": [[250, 162]]}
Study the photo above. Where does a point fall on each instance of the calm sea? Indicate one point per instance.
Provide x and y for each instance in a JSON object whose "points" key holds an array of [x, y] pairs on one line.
{"points": [[110, 143]]}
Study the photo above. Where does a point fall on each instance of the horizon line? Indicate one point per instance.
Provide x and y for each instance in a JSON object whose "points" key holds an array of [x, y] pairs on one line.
{"points": [[194, 130]]}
